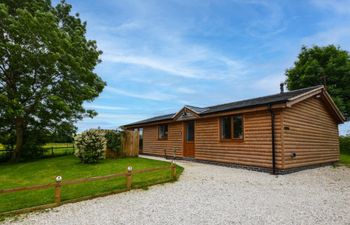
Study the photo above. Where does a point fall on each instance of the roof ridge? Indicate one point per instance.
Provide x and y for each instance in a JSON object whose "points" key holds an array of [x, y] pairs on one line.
{"points": [[266, 96]]}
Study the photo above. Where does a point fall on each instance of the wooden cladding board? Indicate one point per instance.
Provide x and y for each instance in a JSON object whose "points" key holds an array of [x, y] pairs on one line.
{"points": [[310, 131], [254, 150], [151, 144]]}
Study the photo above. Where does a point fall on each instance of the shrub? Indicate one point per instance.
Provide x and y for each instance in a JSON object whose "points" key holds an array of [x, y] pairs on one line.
{"points": [[114, 142], [344, 142], [90, 146]]}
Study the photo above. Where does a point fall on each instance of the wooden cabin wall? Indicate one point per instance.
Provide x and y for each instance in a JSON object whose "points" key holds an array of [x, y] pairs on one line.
{"points": [[254, 150], [151, 144], [311, 132]]}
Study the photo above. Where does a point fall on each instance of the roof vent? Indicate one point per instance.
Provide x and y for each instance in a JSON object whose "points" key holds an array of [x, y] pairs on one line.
{"points": [[282, 87]]}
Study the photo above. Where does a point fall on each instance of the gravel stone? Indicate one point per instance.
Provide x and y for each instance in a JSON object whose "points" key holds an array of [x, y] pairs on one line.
{"points": [[209, 194]]}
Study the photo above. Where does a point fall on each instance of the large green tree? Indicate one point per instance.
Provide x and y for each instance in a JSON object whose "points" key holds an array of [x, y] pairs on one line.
{"points": [[46, 71], [327, 65]]}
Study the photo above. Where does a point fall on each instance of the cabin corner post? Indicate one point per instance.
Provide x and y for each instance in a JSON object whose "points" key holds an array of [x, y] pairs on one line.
{"points": [[273, 141]]}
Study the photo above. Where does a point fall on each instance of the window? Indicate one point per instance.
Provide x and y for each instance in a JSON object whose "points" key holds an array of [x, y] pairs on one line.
{"points": [[226, 128], [140, 139], [190, 131], [237, 127], [163, 132], [231, 127]]}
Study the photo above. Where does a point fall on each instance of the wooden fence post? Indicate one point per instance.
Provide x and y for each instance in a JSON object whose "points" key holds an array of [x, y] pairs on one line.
{"points": [[129, 178], [173, 170], [58, 190], [52, 151]]}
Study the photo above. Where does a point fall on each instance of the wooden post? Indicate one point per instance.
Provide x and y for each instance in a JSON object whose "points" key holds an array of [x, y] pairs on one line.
{"points": [[58, 190], [129, 178], [52, 151], [173, 171]]}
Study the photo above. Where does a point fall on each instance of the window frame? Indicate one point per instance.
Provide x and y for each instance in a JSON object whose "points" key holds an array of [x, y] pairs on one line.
{"points": [[232, 138], [186, 131], [167, 133]]}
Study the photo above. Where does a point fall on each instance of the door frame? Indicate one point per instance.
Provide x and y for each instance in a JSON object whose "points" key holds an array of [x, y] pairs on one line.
{"points": [[184, 142]]}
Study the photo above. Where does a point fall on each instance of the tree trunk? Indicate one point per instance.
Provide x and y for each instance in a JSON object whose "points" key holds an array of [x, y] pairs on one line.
{"points": [[16, 154]]}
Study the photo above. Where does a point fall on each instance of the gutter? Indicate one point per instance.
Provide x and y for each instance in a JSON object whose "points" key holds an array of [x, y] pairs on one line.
{"points": [[273, 139]]}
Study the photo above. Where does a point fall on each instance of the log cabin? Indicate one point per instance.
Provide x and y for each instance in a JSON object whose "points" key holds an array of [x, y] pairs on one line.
{"points": [[279, 133]]}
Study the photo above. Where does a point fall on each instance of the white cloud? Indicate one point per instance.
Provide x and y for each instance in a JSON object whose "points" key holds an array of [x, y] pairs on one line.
{"points": [[338, 36], [185, 90], [108, 121], [339, 6], [153, 95], [153, 63], [106, 107], [269, 84]]}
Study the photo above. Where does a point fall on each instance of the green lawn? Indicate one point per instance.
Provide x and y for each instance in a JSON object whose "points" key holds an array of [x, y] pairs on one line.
{"points": [[44, 171], [345, 159]]}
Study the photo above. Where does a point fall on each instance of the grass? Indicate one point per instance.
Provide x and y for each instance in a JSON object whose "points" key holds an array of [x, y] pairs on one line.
{"points": [[44, 171], [345, 159]]}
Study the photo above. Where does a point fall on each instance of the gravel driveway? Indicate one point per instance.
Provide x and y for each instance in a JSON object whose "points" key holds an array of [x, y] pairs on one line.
{"points": [[208, 194]]}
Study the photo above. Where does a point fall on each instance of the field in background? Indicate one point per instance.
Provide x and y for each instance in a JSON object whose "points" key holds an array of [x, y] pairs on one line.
{"points": [[49, 145], [50, 150]]}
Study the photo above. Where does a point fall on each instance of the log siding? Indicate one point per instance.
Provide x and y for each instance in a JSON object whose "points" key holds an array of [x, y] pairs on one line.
{"points": [[152, 145], [306, 133], [254, 150], [311, 132]]}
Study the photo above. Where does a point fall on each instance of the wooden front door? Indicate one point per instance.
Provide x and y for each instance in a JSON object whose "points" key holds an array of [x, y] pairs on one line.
{"points": [[189, 139]]}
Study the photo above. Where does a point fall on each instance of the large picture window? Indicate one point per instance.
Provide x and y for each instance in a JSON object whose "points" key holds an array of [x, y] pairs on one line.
{"points": [[231, 127], [163, 132]]}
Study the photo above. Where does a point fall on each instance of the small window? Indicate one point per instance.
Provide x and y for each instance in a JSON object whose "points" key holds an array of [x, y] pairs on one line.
{"points": [[190, 131], [237, 127], [231, 127], [226, 128], [163, 132]]}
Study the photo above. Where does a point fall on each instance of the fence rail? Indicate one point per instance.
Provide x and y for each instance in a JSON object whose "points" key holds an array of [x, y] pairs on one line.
{"points": [[59, 183]]}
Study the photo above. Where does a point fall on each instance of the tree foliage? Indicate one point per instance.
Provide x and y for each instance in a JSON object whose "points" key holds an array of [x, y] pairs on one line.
{"points": [[46, 71], [344, 144], [327, 65]]}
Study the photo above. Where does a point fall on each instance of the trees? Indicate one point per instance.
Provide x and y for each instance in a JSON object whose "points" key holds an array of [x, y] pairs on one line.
{"points": [[46, 71], [327, 65]]}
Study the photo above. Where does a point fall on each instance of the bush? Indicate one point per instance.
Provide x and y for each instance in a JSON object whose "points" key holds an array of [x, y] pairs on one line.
{"points": [[114, 141], [344, 142], [90, 146]]}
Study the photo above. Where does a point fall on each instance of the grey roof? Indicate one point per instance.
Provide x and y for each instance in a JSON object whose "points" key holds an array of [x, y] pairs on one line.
{"points": [[196, 109], [270, 99], [153, 119]]}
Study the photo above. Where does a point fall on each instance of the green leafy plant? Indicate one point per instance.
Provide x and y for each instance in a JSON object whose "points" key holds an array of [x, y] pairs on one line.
{"points": [[90, 146], [114, 141], [344, 142], [47, 71], [327, 65]]}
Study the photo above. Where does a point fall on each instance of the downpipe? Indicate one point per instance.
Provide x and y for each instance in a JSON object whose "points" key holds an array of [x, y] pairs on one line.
{"points": [[272, 113]]}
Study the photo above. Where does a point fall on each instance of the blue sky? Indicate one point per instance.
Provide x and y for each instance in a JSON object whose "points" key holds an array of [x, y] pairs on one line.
{"points": [[161, 55]]}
